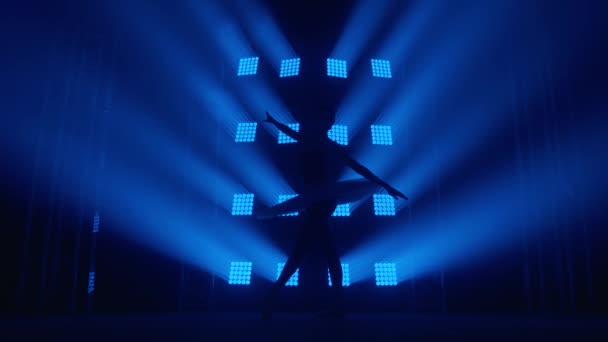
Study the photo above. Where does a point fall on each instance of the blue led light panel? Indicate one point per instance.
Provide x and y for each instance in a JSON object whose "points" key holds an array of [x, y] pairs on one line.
{"points": [[342, 210], [283, 198], [248, 66], [245, 132], [382, 135], [336, 68], [293, 281], [381, 68], [290, 67], [91, 287], [386, 274], [286, 139], [339, 134], [240, 273], [242, 204], [384, 205], [345, 276]]}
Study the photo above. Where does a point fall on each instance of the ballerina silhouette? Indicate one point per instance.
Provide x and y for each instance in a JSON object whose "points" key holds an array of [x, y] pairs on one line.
{"points": [[319, 157]]}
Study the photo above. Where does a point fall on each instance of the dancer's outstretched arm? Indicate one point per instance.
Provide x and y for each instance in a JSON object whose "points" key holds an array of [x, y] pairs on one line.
{"points": [[365, 172], [283, 128]]}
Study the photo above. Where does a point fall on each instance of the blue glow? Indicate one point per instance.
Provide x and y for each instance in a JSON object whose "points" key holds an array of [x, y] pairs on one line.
{"points": [[386, 274], [91, 287], [381, 68], [283, 198], [339, 134], [293, 281], [384, 205], [242, 204], [240, 273], [245, 132], [248, 66], [96, 221], [365, 20], [284, 138], [342, 210], [336, 68], [345, 276], [381, 135], [290, 67]]}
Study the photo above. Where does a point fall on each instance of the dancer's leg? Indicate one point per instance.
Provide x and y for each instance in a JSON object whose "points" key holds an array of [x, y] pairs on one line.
{"points": [[335, 271], [291, 266]]}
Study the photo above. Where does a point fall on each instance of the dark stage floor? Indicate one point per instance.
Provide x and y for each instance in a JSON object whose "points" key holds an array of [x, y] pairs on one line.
{"points": [[292, 327]]}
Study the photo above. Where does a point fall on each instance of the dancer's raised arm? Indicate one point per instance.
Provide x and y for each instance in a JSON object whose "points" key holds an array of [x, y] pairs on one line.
{"points": [[365, 172], [283, 128]]}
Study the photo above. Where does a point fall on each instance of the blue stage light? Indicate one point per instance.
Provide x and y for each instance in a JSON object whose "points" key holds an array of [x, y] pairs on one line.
{"points": [[293, 281], [240, 273], [386, 274], [96, 221], [342, 210], [248, 66], [381, 68], [384, 205], [336, 68], [339, 134], [245, 132], [290, 67], [283, 198], [381, 135], [345, 276], [286, 139], [242, 204], [91, 288]]}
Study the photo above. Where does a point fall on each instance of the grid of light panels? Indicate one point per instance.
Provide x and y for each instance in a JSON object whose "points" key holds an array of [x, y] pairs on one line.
{"points": [[245, 132], [339, 134], [248, 66], [242, 204], [342, 210], [345, 276], [386, 274], [384, 205], [240, 273], [336, 68], [381, 68], [283, 198], [381, 135], [293, 281], [290, 67], [286, 139]]}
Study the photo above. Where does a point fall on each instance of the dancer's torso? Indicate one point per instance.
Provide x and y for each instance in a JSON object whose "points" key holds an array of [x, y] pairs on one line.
{"points": [[319, 164]]}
